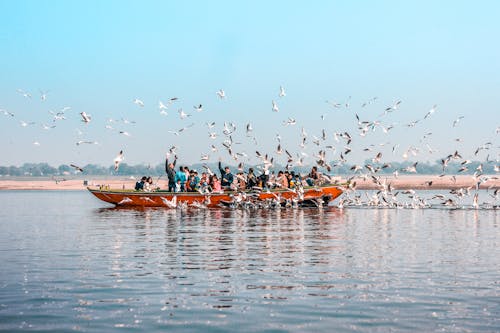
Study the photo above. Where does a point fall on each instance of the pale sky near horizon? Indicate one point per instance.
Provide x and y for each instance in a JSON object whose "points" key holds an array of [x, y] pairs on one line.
{"points": [[98, 56]]}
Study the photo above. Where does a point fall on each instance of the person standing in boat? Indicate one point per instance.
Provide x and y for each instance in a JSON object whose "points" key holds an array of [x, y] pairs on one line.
{"points": [[169, 169], [180, 178], [226, 176]]}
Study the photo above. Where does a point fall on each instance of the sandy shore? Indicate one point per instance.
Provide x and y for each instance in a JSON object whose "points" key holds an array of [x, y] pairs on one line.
{"points": [[420, 182]]}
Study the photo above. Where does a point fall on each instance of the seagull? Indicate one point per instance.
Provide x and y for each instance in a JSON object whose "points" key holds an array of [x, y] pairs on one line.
{"points": [[25, 124], [57, 116], [249, 129], [394, 107], [77, 168], [24, 93], [198, 108], [7, 113], [125, 133], [162, 106], [211, 125], [86, 117], [139, 102], [183, 114], [289, 122], [204, 157], [411, 168], [118, 159], [47, 127], [86, 142], [377, 158], [275, 107], [43, 95], [221, 93], [431, 111], [282, 92], [456, 121]]}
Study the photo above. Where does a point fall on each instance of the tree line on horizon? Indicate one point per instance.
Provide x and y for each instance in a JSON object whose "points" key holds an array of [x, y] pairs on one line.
{"points": [[44, 169]]}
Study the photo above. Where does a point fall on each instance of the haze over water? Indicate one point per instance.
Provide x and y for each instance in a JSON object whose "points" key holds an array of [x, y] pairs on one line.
{"points": [[70, 262]]}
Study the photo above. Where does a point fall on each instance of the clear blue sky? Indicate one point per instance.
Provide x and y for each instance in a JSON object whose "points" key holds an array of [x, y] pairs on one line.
{"points": [[98, 56]]}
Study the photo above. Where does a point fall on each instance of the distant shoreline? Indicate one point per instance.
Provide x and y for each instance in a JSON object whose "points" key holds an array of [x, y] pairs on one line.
{"points": [[416, 182]]}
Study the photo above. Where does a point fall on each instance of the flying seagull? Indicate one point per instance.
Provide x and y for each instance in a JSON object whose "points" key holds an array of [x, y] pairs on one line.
{"points": [[85, 117], [118, 159], [139, 102], [76, 167]]}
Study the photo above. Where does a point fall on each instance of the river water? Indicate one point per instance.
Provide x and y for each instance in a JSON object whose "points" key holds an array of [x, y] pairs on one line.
{"points": [[72, 263]]}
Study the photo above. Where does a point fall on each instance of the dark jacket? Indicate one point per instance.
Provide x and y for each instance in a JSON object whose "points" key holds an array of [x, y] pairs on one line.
{"points": [[226, 178], [170, 171]]}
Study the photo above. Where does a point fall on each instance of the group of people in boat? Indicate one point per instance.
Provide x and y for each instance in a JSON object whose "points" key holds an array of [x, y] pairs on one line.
{"points": [[189, 180]]}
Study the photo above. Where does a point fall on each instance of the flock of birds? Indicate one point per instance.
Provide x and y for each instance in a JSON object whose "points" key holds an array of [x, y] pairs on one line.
{"points": [[325, 144]]}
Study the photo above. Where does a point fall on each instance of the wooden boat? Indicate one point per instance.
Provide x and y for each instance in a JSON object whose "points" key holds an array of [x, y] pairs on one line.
{"points": [[317, 195]]}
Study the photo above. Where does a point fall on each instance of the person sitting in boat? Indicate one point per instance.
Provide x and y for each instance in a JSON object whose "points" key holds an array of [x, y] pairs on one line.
{"points": [[281, 180], [148, 184], [226, 176], [215, 184], [264, 179], [241, 181], [251, 179], [169, 169], [192, 185], [139, 186], [204, 183], [313, 176], [180, 178]]}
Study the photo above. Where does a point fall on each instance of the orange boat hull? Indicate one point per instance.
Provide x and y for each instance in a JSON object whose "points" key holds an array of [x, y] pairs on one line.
{"points": [[117, 197]]}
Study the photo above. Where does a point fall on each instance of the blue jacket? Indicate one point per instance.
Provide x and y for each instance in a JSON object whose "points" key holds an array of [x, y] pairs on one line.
{"points": [[180, 175]]}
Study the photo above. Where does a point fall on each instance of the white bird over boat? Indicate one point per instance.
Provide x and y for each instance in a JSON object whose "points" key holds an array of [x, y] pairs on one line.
{"points": [[118, 159]]}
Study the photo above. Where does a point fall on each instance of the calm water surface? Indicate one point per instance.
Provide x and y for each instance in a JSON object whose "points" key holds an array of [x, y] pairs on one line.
{"points": [[71, 263]]}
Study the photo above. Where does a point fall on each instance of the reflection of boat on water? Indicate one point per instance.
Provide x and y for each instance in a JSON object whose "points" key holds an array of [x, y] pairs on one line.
{"points": [[317, 195]]}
